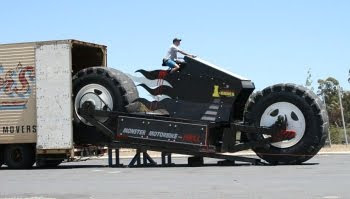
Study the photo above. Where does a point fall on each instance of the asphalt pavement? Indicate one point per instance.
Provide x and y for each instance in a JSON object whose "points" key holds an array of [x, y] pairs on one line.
{"points": [[324, 177]]}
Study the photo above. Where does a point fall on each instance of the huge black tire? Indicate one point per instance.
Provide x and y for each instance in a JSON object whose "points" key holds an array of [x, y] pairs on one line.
{"points": [[119, 88], [20, 156], [306, 114]]}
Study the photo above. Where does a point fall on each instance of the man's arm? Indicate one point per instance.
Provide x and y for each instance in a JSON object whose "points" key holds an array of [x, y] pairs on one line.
{"points": [[186, 54]]}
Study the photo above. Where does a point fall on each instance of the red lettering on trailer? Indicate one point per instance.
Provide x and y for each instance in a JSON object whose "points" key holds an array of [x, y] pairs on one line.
{"points": [[23, 80], [16, 83]]}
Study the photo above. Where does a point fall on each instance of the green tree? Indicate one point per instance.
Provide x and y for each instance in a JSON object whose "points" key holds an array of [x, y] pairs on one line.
{"points": [[346, 106], [327, 89], [308, 82]]}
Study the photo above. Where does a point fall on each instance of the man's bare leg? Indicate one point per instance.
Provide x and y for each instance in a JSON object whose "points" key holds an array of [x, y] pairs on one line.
{"points": [[176, 68]]}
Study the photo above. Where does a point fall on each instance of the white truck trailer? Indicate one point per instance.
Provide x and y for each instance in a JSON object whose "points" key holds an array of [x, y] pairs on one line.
{"points": [[35, 99]]}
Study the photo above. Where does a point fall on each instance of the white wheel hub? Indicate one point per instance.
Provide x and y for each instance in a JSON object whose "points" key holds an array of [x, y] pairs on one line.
{"points": [[96, 94], [295, 121]]}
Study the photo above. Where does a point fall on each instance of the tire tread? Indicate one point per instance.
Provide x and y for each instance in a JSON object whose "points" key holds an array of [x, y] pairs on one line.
{"points": [[318, 109]]}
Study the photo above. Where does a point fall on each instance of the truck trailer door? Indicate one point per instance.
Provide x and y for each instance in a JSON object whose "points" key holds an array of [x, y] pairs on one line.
{"points": [[53, 96]]}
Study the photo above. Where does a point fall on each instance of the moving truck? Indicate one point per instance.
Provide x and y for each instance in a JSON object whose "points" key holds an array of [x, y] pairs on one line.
{"points": [[35, 99]]}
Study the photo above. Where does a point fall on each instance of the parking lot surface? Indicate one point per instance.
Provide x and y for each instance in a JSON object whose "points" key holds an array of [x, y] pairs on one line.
{"points": [[324, 176]]}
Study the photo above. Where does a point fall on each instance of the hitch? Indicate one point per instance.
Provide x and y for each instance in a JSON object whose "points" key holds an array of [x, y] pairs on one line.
{"points": [[88, 112]]}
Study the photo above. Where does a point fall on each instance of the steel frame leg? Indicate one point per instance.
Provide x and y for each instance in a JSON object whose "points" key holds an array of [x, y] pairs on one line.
{"points": [[110, 158], [136, 159], [117, 158], [147, 159], [166, 159]]}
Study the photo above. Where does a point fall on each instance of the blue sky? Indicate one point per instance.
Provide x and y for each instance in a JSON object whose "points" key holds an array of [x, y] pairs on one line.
{"points": [[266, 41]]}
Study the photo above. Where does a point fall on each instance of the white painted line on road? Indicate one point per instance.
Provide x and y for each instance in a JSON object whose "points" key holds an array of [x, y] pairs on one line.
{"points": [[113, 172], [96, 170]]}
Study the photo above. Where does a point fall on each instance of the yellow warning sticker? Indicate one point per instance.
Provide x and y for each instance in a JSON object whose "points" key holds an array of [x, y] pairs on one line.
{"points": [[222, 92]]}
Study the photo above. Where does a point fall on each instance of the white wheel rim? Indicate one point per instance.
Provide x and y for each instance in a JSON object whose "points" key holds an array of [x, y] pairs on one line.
{"points": [[87, 93], [295, 121]]}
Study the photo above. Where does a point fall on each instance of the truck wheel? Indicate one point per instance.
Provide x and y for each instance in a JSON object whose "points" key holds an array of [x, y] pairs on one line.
{"points": [[48, 163], [306, 115], [21, 156], [108, 89]]}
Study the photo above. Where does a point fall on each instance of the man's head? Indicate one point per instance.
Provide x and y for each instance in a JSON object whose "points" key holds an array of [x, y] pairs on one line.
{"points": [[176, 41]]}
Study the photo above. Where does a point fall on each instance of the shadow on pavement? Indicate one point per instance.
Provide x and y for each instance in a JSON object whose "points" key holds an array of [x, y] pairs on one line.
{"points": [[155, 166]]}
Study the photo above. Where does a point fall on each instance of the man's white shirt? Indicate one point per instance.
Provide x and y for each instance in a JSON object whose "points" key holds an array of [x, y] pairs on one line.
{"points": [[172, 52]]}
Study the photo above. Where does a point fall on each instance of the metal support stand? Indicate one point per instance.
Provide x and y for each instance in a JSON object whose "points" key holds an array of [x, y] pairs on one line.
{"points": [[117, 160], [147, 160], [136, 159], [166, 159], [110, 157]]}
